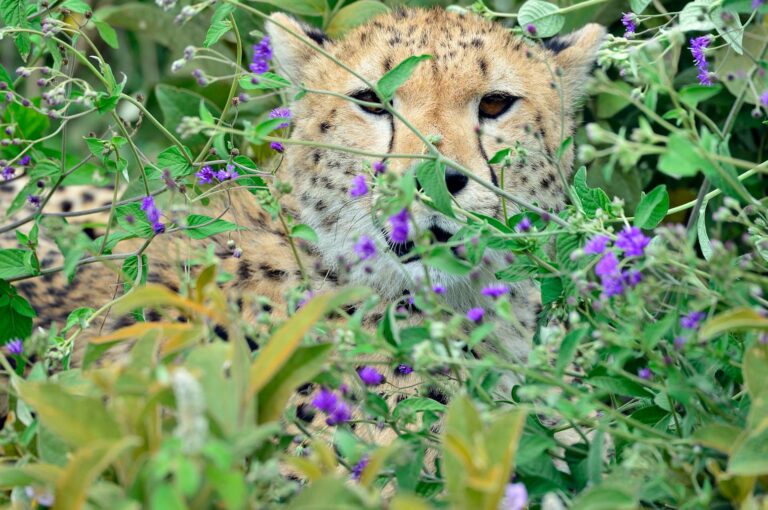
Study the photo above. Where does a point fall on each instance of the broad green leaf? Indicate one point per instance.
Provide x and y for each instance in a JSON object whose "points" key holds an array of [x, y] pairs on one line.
{"points": [[521, 269], [84, 467], [303, 365], [719, 436], [200, 227], [568, 349], [639, 6], [107, 33], [77, 419], [730, 63], [417, 405], [176, 103], [353, 15], [591, 199], [305, 232], [301, 7], [12, 263], [431, 176], [266, 81], [653, 208], [78, 317], [329, 492], [286, 339], [681, 158], [220, 25], [697, 16], [396, 77], [172, 159], [701, 229], [692, 95], [605, 497], [441, 257], [29, 474], [754, 368], [14, 13], [751, 456], [543, 15], [737, 319]]}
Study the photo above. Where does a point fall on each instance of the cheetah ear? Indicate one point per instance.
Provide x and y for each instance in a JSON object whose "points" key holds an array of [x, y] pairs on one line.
{"points": [[574, 55], [291, 53]]}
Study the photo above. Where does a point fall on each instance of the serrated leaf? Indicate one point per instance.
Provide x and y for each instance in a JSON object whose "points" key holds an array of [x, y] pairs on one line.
{"points": [[200, 227], [353, 15], [220, 25], [172, 159], [431, 176], [107, 33], [266, 81], [305, 232]]}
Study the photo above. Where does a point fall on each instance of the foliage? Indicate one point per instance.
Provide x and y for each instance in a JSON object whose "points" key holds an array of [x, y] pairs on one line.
{"points": [[646, 385]]}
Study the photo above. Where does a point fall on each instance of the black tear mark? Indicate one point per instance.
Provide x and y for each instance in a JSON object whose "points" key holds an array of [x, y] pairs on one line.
{"points": [[324, 127], [437, 395], [221, 332], [316, 35], [494, 178]]}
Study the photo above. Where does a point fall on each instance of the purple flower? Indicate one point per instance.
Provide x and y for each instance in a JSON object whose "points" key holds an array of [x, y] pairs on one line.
{"points": [[764, 98], [495, 291], [34, 200], [515, 497], [205, 175], [612, 286], [281, 113], [404, 369], [25, 160], [339, 415], [757, 3], [8, 173], [277, 147], [475, 314], [357, 469], [325, 401], [153, 214], [379, 167], [630, 23], [524, 225], [359, 186], [596, 245], [262, 54], [608, 265], [365, 248], [399, 222], [692, 320], [15, 347], [679, 342], [531, 29], [631, 277], [370, 376], [632, 242], [438, 289], [645, 373], [698, 45], [229, 173]]}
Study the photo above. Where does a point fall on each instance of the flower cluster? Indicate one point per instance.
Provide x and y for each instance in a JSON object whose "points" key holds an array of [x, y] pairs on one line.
{"points": [[370, 376], [399, 223], [281, 113], [335, 408], [630, 24], [359, 186], [365, 248], [614, 280], [207, 175], [698, 46], [153, 214], [15, 347], [262, 54]]}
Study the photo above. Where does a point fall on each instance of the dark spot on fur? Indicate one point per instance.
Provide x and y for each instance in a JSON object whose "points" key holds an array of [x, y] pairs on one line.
{"points": [[305, 413], [350, 309], [316, 157], [477, 42], [244, 270], [66, 205], [483, 66], [221, 332], [320, 205], [305, 389], [547, 181], [437, 395], [557, 44], [153, 315], [324, 127], [88, 197], [316, 35]]}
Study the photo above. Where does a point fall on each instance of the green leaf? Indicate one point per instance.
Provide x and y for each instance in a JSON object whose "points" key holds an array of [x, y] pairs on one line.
{"points": [[692, 95], [737, 319], [431, 176], [591, 199], [172, 159], [605, 497], [303, 365], [176, 103], [638, 6], [266, 81], [652, 208], [681, 158], [12, 263], [417, 405], [568, 349], [619, 386], [396, 77], [200, 227], [220, 25], [78, 317], [443, 259], [751, 457], [543, 15], [754, 367], [353, 15], [301, 7], [305, 232], [13, 13], [521, 269], [107, 33], [77, 419], [133, 220], [130, 270], [77, 6], [719, 436]]}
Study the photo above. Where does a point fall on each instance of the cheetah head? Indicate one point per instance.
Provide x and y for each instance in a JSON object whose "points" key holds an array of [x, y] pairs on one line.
{"points": [[482, 91]]}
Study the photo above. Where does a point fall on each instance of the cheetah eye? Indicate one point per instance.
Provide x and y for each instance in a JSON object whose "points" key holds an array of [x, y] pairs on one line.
{"points": [[369, 96], [495, 104]]}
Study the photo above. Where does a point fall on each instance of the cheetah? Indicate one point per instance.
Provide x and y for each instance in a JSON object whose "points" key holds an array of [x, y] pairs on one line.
{"points": [[483, 90]]}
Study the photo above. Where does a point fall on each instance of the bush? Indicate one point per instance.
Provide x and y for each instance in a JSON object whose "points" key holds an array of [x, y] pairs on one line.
{"points": [[646, 383]]}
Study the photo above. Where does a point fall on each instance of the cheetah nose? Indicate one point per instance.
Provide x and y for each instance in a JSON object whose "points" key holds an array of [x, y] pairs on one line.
{"points": [[455, 180]]}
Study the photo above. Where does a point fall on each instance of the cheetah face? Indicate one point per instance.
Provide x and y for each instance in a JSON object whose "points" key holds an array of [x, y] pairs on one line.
{"points": [[482, 91]]}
